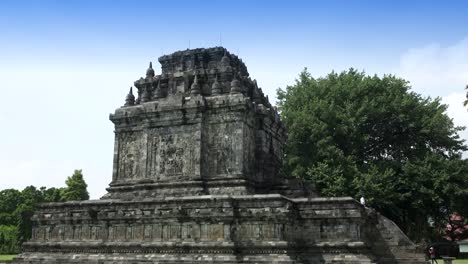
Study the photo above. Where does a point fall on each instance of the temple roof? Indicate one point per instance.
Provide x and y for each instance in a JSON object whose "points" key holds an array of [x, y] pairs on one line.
{"points": [[215, 70]]}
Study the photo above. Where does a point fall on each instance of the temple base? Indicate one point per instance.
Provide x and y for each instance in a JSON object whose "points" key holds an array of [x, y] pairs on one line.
{"points": [[215, 229]]}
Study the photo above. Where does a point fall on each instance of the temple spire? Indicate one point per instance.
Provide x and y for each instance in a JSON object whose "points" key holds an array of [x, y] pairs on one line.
{"points": [[130, 99], [216, 87], [195, 88], [235, 85], [225, 61], [150, 71]]}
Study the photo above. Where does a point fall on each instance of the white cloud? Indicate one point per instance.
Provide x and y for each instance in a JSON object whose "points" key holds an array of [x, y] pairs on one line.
{"points": [[440, 71], [457, 111], [436, 70]]}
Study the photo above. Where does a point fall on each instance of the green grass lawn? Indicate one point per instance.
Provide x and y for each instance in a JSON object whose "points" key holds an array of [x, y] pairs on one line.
{"points": [[10, 257], [457, 261]]}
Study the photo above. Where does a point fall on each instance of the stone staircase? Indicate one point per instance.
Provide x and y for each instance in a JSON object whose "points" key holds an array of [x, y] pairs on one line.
{"points": [[389, 243]]}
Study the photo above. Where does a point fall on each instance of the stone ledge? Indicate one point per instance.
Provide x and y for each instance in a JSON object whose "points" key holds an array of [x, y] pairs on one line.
{"points": [[257, 247], [201, 198]]}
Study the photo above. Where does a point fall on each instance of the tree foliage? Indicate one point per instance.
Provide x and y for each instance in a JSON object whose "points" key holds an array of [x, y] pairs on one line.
{"points": [[76, 188], [17, 208], [356, 135], [465, 103], [8, 239]]}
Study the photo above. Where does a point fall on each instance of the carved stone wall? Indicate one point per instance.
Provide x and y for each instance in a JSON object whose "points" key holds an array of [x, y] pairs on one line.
{"points": [[132, 156], [258, 226], [208, 142], [173, 154], [227, 139]]}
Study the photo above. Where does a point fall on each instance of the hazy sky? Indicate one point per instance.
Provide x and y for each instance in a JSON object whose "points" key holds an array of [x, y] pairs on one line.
{"points": [[65, 65]]}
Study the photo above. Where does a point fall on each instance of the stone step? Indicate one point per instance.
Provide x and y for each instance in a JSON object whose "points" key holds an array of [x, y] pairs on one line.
{"points": [[402, 261]]}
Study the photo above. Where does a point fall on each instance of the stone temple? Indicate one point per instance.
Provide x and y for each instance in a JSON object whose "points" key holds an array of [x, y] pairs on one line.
{"points": [[196, 179]]}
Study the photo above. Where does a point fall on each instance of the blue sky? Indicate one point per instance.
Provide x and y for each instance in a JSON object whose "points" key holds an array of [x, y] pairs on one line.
{"points": [[65, 65]]}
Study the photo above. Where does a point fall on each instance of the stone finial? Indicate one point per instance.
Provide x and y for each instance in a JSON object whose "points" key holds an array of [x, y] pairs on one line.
{"points": [[235, 85], [157, 92], [216, 87], [150, 71], [225, 61], [195, 88], [130, 99]]}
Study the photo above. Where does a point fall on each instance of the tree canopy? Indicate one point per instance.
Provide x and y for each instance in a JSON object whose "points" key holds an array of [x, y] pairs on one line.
{"points": [[76, 188], [356, 135], [17, 208]]}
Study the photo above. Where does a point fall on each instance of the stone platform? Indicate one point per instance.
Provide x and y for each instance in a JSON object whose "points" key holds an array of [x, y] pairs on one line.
{"points": [[213, 228]]}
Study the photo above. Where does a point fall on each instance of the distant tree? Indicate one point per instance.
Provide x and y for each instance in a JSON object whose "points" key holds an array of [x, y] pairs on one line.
{"points": [[51, 194], [31, 195], [76, 188], [16, 210], [24, 212], [466, 100], [8, 239], [30, 198], [357, 135], [9, 201]]}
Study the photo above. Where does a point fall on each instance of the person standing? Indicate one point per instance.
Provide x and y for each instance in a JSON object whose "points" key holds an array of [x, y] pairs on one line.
{"points": [[432, 254]]}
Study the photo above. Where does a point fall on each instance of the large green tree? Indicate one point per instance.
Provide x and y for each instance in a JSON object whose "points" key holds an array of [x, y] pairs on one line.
{"points": [[356, 135], [17, 208], [8, 239], [76, 188], [9, 201]]}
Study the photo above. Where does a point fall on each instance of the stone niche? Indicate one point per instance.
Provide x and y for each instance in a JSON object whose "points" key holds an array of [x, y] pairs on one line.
{"points": [[196, 179]]}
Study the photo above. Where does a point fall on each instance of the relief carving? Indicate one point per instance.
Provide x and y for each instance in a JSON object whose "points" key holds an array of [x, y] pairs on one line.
{"points": [[131, 156], [170, 156], [94, 232], [47, 233], [129, 233], [157, 232], [148, 229], [334, 231], [111, 234], [224, 154], [217, 232]]}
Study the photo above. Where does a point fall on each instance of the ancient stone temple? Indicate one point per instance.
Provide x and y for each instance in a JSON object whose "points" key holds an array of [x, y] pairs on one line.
{"points": [[196, 179]]}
